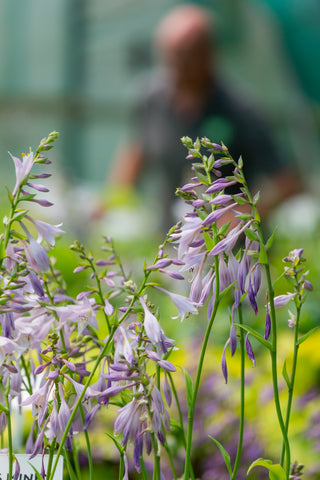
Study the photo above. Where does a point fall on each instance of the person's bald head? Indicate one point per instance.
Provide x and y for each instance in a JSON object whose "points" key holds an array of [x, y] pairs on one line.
{"points": [[186, 23], [184, 41]]}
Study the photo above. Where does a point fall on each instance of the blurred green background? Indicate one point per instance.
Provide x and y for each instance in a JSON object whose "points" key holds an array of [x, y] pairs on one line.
{"points": [[72, 66]]}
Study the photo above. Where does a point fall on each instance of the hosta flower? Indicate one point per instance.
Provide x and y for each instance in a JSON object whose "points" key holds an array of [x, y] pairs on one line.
{"points": [[184, 305], [189, 232], [36, 255], [249, 350], [151, 325], [22, 169], [228, 242], [45, 230], [82, 312], [282, 300], [220, 184]]}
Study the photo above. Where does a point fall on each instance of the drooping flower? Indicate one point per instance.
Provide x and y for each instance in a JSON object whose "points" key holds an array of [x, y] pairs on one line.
{"points": [[45, 230], [249, 350], [184, 305], [228, 242], [151, 324], [36, 254], [282, 300]]}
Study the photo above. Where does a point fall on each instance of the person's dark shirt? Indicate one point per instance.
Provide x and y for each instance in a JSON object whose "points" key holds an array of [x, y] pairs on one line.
{"points": [[225, 117]]}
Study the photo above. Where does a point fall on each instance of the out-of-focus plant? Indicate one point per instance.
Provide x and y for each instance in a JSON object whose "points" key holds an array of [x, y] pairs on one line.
{"points": [[71, 357]]}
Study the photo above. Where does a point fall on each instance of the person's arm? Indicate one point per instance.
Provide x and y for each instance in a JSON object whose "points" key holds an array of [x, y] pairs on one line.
{"points": [[127, 165]]}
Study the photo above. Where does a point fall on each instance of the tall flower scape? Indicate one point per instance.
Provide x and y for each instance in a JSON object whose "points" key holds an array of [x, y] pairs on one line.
{"points": [[61, 359]]}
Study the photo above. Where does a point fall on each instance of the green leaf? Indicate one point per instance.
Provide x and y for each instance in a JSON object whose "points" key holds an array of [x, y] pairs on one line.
{"points": [[10, 196], [226, 290], [38, 474], [198, 166], [240, 200], [251, 235], [3, 252], [271, 239], [263, 255], [195, 153], [209, 241], [211, 161], [189, 386], [26, 198], [19, 215], [17, 235], [175, 425], [225, 454], [71, 472], [117, 444], [244, 216], [239, 177], [203, 178], [256, 198], [187, 141], [276, 472], [223, 229], [285, 374], [3, 409], [256, 335], [307, 335]]}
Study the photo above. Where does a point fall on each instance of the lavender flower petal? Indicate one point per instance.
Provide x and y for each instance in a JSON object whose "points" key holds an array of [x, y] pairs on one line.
{"points": [[267, 330], [249, 350]]}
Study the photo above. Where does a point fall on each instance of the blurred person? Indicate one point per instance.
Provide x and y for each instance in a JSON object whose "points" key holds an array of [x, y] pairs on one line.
{"points": [[189, 98]]}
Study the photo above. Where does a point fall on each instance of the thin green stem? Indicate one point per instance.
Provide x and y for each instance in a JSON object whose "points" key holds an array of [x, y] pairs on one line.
{"points": [[71, 471], [121, 467], [78, 403], [156, 463], [95, 367], [143, 469], [274, 367], [76, 463], [174, 391], [51, 454], [242, 397], [86, 435], [292, 379], [100, 292], [9, 428], [199, 372], [273, 351], [27, 375], [174, 473]]}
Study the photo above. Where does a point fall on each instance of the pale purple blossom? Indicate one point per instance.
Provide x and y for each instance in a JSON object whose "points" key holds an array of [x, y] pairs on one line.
{"points": [[267, 330], [223, 361], [184, 305], [22, 168], [282, 300], [36, 255], [38, 187], [220, 184], [217, 214], [249, 350], [45, 230], [151, 324], [161, 263], [228, 242]]}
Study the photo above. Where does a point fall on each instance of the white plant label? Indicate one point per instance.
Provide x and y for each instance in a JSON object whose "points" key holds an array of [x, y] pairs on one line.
{"points": [[25, 465]]}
